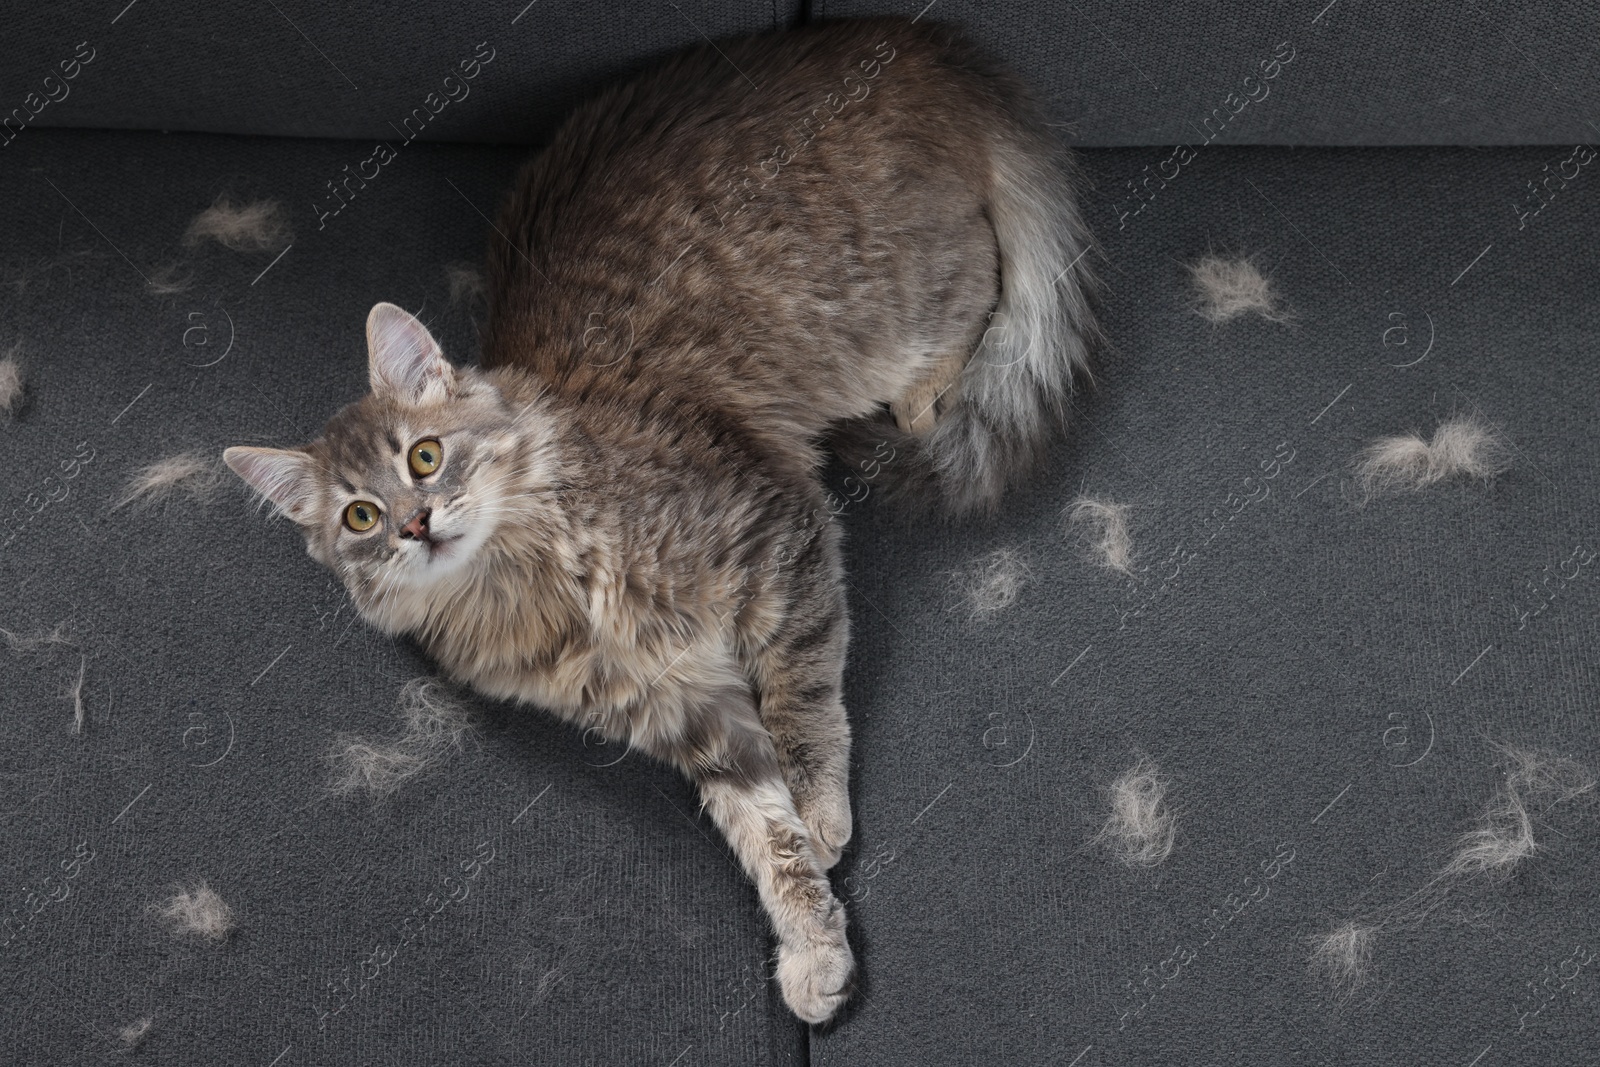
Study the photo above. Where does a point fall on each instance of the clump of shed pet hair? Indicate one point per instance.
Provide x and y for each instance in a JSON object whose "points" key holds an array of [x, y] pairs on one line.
{"points": [[377, 767], [991, 583], [1535, 782], [1343, 955], [1462, 446], [256, 226], [1105, 530], [1228, 288], [435, 723], [199, 911], [466, 284], [432, 715], [169, 278], [12, 387], [75, 694], [1141, 828], [38, 641], [188, 473], [134, 1033]]}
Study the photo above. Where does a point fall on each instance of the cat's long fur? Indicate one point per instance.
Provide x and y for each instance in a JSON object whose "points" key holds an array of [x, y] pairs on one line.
{"points": [[708, 270]]}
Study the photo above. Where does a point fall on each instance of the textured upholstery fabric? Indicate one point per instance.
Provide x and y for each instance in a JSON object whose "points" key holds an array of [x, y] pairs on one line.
{"points": [[1365, 72], [1283, 650], [1389, 73], [298, 68]]}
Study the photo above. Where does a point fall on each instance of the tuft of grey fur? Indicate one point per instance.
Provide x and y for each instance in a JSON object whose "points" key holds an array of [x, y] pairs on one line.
{"points": [[1462, 446], [433, 714], [1544, 778], [170, 278], [467, 287], [35, 642], [1534, 783], [199, 911], [1343, 955], [256, 226], [376, 767], [188, 473], [134, 1033], [991, 583], [1105, 528], [12, 387], [75, 694], [1141, 828], [1227, 288], [435, 723]]}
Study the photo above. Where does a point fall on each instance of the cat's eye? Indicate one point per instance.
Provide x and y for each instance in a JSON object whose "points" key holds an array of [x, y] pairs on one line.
{"points": [[360, 516], [426, 455]]}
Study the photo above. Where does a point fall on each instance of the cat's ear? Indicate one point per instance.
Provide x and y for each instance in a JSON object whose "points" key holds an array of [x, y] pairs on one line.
{"points": [[283, 476], [403, 359]]}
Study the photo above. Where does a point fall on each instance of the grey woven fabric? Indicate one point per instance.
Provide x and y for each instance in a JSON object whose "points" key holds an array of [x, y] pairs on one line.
{"points": [[1389, 73], [1318, 679], [297, 68], [1364, 72]]}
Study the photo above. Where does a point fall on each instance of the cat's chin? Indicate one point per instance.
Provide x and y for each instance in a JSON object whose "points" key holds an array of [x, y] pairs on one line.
{"points": [[418, 585], [442, 559], [435, 564], [445, 550]]}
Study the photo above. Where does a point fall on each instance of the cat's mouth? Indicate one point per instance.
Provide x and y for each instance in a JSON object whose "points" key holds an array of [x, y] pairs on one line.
{"points": [[441, 547]]}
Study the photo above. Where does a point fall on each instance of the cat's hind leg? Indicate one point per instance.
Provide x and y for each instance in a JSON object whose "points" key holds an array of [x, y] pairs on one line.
{"points": [[951, 323], [732, 758], [918, 410], [799, 680]]}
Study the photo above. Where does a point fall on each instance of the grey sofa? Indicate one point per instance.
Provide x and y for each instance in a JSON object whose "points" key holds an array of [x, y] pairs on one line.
{"points": [[1323, 682]]}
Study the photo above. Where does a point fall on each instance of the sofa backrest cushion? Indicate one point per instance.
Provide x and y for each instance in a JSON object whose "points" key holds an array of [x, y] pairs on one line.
{"points": [[1112, 72]]}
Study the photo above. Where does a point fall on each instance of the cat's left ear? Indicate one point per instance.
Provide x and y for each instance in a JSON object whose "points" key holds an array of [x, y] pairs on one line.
{"points": [[403, 359]]}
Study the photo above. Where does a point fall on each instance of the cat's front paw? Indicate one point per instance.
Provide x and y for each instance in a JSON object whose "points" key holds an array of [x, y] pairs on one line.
{"points": [[828, 818], [818, 976]]}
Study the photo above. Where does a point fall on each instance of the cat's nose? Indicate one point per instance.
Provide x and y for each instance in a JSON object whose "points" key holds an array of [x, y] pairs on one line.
{"points": [[417, 528]]}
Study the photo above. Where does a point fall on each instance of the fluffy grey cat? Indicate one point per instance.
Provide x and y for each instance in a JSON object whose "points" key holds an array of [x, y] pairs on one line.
{"points": [[858, 232]]}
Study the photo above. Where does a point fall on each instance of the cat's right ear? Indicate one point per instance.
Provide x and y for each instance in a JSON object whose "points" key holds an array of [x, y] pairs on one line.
{"points": [[283, 476]]}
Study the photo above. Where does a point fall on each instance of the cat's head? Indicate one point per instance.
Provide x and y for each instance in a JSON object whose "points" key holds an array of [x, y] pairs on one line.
{"points": [[408, 485]]}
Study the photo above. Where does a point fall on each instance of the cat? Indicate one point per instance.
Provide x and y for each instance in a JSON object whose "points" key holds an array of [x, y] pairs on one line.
{"points": [[857, 233]]}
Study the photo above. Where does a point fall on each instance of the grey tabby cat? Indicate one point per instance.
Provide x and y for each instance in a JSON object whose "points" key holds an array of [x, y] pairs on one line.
{"points": [[859, 229]]}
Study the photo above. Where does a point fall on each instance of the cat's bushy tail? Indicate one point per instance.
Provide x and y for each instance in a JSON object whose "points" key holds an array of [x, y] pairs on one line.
{"points": [[1013, 396]]}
